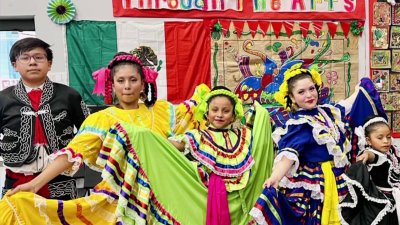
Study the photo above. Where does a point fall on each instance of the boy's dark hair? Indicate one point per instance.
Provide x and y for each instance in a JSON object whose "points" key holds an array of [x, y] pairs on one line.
{"points": [[27, 44]]}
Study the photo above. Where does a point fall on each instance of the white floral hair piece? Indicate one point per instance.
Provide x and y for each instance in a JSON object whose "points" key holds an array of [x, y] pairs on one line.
{"points": [[392, 2], [374, 120], [360, 131]]}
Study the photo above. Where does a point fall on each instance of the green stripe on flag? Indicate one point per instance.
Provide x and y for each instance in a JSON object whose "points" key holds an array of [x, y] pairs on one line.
{"points": [[91, 45]]}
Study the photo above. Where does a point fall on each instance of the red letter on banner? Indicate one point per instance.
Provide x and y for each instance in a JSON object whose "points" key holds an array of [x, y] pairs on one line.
{"points": [[276, 4], [173, 4], [295, 2]]}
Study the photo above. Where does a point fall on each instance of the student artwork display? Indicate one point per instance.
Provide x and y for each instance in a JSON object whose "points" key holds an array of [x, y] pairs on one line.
{"points": [[396, 122], [252, 58], [396, 15], [395, 37], [381, 12], [380, 59], [396, 60], [385, 58], [394, 82], [381, 79], [380, 37]]}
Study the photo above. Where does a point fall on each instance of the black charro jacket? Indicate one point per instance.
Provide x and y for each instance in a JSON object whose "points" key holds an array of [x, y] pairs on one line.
{"points": [[61, 108]]}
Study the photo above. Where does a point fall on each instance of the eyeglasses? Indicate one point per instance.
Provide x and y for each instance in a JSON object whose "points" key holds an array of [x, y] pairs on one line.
{"points": [[39, 58]]}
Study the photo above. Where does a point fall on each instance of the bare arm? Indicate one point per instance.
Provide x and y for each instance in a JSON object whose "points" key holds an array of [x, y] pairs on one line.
{"points": [[59, 165], [280, 169], [179, 145], [366, 157]]}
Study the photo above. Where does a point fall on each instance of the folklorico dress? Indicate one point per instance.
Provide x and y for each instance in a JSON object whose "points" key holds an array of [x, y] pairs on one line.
{"points": [[315, 140], [374, 191], [146, 180], [28, 208]]}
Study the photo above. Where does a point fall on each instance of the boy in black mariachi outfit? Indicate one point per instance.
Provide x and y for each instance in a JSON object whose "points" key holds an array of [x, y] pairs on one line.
{"points": [[37, 118]]}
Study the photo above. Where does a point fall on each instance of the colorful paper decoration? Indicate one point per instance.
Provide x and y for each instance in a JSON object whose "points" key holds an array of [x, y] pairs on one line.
{"points": [[288, 28], [356, 27], [239, 27], [345, 27], [264, 26], [318, 27], [253, 27], [61, 11], [332, 26], [304, 26], [225, 25], [277, 26]]}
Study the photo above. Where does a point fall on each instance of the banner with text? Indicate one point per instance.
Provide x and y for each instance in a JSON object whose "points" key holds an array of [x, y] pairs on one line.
{"points": [[304, 6], [204, 5]]}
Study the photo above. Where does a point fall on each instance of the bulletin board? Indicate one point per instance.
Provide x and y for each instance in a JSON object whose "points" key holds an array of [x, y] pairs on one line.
{"points": [[385, 57]]}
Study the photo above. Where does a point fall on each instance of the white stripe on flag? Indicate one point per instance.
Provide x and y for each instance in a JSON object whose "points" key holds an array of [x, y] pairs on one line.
{"points": [[132, 34]]}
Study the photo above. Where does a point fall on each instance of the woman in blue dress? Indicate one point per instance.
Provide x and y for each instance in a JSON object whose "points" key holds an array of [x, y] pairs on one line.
{"points": [[313, 155]]}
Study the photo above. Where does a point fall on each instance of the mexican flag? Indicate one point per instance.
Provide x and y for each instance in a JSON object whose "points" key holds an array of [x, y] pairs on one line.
{"points": [[182, 49]]}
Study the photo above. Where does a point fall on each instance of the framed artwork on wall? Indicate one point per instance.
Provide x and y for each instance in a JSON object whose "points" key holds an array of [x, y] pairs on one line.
{"points": [[381, 79], [395, 37], [396, 14], [394, 82], [380, 59], [389, 116], [396, 60], [380, 37], [396, 122], [387, 101], [382, 14]]}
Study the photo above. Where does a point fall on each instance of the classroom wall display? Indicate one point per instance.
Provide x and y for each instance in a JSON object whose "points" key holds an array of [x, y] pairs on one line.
{"points": [[380, 59], [396, 60], [385, 58], [395, 37], [381, 79], [380, 37], [395, 121], [394, 81], [396, 14], [381, 12], [232, 53], [243, 9], [252, 58]]}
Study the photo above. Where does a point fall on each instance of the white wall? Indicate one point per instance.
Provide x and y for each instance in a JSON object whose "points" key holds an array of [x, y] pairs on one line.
{"points": [[52, 33]]}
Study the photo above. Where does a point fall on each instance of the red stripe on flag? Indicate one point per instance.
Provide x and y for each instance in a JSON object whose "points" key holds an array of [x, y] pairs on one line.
{"points": [[187, 46]]}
